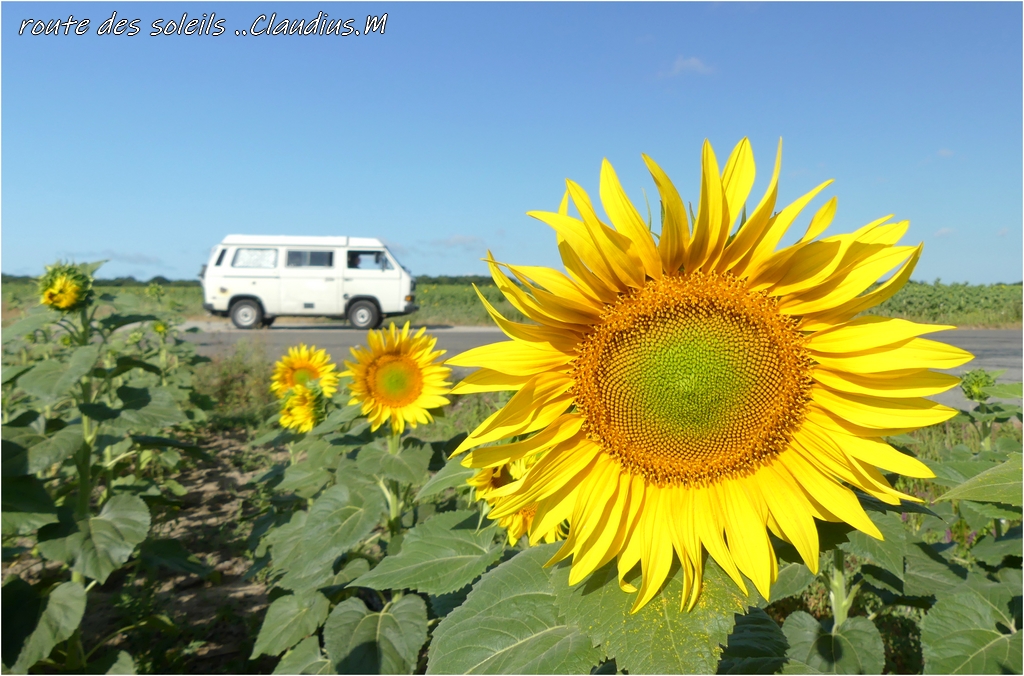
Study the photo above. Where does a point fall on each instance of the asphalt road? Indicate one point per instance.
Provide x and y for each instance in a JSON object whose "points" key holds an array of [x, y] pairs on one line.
{"points": [[993, 349]]}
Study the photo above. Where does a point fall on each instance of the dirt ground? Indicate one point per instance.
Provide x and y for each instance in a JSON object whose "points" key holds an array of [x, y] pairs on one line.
{"points": [[213, 619]]}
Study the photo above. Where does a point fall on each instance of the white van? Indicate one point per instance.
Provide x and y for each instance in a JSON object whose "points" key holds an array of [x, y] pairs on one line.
{"points": [[256, 278]]}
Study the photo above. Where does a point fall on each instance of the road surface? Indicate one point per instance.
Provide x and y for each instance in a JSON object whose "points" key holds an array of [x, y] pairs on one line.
{"points": [[993, 349]]}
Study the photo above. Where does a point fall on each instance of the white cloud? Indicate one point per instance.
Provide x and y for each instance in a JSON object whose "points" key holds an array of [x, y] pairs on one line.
{"points": [[132, 257], [943, 232], [684, 64], [944, 152]]}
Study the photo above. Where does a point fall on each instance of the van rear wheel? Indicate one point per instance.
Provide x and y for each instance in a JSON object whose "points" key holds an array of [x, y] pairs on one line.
{"points": [[363, 315], [246, 314]]}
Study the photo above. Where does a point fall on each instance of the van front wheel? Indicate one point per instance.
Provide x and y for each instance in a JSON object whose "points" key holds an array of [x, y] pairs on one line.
{"points": [[246, 314], [363, 315]]}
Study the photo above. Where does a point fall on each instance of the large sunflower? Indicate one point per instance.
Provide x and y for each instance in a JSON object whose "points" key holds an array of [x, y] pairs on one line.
{"points": [[397, 378], [696, 391], [301, 366]]}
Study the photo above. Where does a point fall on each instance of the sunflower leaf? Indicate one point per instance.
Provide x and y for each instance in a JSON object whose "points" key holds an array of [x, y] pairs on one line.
{"points": [[793, 579], [360, 641], [51, 379], [62, 611], [887, 553], [992, 550], [290, 619], [927, 573], [1001, 483], [756, 646], [659, 638], [509, 624], [304, 658], [440, 555], [973, 630], [408, 466], [452, 475], [855, 647], [26, 505]]}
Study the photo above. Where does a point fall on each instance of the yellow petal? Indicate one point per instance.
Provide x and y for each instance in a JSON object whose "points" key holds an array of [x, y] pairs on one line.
{"points": [[539, 403], [486, 380], [656, 560], [914, 353], [840, 500], [514, 358], [738, 179], [882, 412], [616, 249], [903, 383], [627, 221], [822, 219], [711, 227], [778, 227], [561, 429], [675, 229], [846, 284], [738, 250], [867, 333], [790, 509]]}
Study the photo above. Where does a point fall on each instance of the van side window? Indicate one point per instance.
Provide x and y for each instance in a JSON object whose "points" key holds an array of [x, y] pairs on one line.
{"points": [[368, 260], [254, 258], [220, 257], [315, 259]]}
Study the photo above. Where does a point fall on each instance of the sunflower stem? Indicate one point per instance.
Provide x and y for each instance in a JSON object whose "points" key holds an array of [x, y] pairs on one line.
{"points": [[839, 595], [394, 442]]}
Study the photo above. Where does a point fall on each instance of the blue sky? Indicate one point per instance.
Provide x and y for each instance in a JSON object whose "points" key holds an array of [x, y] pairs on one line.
{"points": [[439, 135]]}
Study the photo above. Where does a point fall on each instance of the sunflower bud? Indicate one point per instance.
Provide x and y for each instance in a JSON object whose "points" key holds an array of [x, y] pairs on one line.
{"points": [[304, 408], [974, 382], [65, 287]]}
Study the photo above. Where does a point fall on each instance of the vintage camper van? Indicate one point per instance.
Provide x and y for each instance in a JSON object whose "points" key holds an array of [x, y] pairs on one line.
{"points": [[256, 278]]}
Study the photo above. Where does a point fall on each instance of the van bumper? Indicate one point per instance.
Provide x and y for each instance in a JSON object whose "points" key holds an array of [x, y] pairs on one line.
{"points": [[208, 307], [410, 308]]}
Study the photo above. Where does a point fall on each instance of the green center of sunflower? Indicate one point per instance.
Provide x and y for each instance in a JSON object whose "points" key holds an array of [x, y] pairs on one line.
{"points": [[396, 380], [302, 375], [692, 378]]}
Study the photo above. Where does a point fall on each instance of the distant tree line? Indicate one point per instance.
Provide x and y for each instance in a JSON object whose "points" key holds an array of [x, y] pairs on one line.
{"points": [[117, 281]]}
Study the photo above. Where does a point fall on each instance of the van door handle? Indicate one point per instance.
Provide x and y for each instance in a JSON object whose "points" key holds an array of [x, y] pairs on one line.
{"points": [[347, 279], [329, 279]]}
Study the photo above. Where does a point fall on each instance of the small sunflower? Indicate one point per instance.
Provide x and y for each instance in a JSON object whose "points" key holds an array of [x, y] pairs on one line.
{"points": [[65, 287], [488, 484], [699, 390], [397, 378], [303, 408], [301, 366]]}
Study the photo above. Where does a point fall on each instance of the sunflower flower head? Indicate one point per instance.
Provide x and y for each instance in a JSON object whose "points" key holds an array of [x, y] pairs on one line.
{"points": [[65, 287], [973, 384], [693, 393], [397, 378], [304, 366], [303, 408]]}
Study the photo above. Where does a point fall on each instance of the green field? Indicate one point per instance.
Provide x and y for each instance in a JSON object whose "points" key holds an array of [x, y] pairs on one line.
{"points": [[965, 305]]}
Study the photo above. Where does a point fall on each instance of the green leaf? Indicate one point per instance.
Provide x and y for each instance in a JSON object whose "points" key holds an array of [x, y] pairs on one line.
{"points": [[756, 646], [440, 555], [452, 475], [887, 553], [338, 520], [173, 556], [304, 479], [61, 614], [304, 658], [44, 454], [955, 472], [1004, 391], [336, 420], [359, 641], [927, 573], [20, 606], [50, 380], [285, 541], [152, 408], [33, 321], [100, 545], [124, 664], [408, 466], [854, 648], [661, 637], [992, 550], [1002, 483], [509, 624], [793, 579], [11, 372], [969, 631], [290, 619], [26, 505]]}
